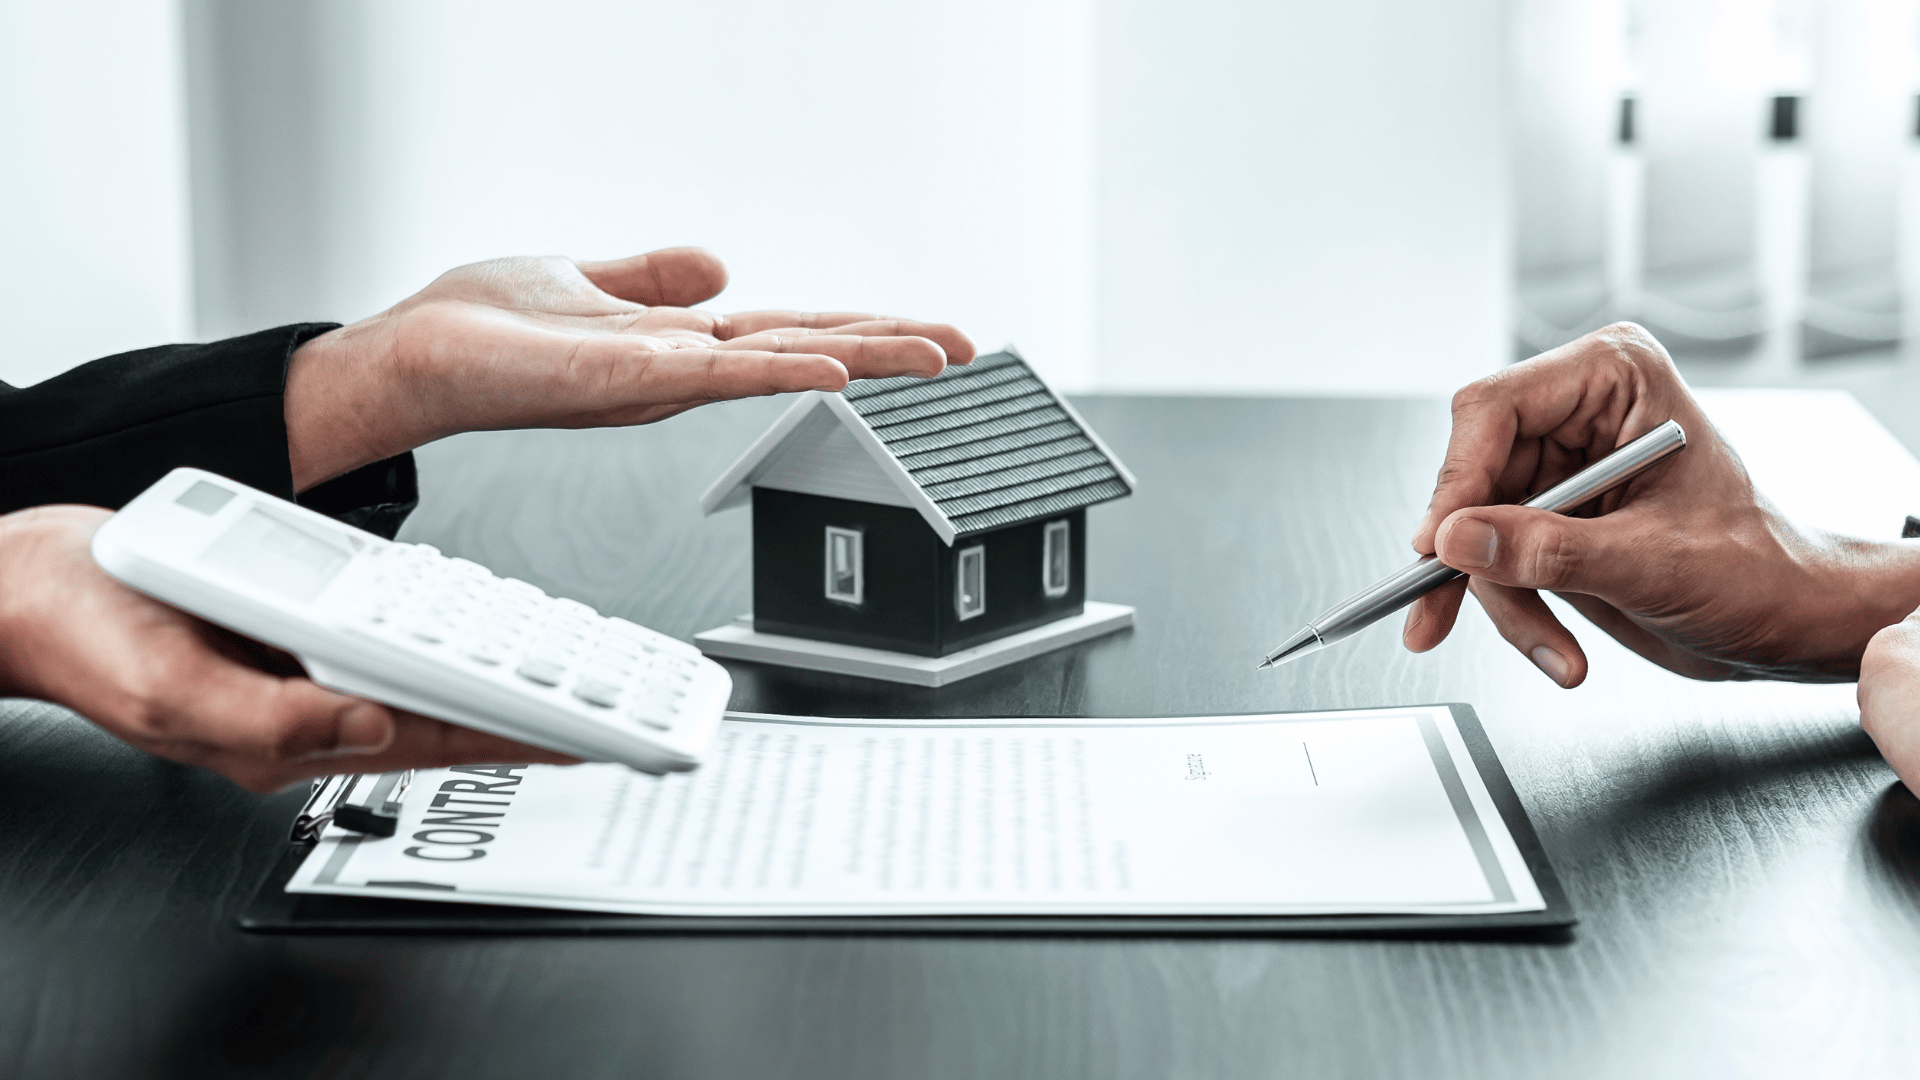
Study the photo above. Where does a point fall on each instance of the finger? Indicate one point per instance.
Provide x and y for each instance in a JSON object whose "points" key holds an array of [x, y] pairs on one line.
{"points": [[419, 743], [952, 341], [1889, 697], [1431, 617], [957, 346], [695, 376], [264, 717], [271, 716], [737, 369], [863, 357], [673, 277], [742, 323], [1524, 619], [423, 742], [1538, 549], [1595, 393], [1477, 456]]}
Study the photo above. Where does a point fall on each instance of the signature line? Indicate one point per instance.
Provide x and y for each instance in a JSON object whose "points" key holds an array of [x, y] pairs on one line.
{"points": [[1310, 769]]}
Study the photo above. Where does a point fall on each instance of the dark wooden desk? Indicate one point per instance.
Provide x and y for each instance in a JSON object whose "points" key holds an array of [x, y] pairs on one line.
{"points": [[1747, 872]]}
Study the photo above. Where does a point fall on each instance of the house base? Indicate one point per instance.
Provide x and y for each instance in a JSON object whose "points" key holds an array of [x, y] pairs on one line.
{"points": [[740, 641]]}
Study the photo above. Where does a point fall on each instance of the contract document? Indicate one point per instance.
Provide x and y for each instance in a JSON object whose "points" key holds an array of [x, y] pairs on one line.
{"points": [[1378, 811]]}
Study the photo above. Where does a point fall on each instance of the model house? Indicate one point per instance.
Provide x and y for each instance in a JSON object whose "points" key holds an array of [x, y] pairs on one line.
{"points": [[922, 516]]}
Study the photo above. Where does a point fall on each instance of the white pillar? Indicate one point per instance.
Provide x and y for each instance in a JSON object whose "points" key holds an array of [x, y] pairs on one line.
{"points": [[1566, 76]]}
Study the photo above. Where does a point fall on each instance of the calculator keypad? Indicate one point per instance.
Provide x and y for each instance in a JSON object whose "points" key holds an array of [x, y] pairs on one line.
{"points": [[607, 667]]}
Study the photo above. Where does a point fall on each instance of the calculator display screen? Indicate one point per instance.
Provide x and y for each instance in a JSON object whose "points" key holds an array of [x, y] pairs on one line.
{"points": [[294, 561]]}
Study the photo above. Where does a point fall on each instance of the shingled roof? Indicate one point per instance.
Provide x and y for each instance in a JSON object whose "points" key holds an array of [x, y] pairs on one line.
{"points": [[978, 447]]}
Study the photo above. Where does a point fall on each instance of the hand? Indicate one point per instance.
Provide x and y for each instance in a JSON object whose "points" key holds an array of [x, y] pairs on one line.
{"points": [[1890, 696], [552, 343], [185, 689], [1686, 564]]}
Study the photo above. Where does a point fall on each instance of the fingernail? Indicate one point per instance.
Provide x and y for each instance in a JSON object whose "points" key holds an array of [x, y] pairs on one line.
{"points": [[1550, 662], [364, 729], [1472, 543]]}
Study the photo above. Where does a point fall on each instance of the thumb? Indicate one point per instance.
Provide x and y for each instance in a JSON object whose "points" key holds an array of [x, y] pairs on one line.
{"points": [[269, 718], [1888, 693], [1537, 549], [674, 277]]}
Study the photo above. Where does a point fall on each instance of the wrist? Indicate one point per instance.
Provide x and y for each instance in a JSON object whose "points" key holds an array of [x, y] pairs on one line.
{"points": [[31, 543], [342, 406], [16, 544], [1856, 589]]}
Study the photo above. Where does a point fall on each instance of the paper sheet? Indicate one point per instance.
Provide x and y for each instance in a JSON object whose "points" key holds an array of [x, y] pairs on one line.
{"points": [[1379, 811]]}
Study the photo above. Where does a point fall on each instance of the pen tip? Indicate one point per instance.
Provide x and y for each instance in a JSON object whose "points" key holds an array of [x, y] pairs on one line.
{"points": [[1264, 665], [1306, 641]]}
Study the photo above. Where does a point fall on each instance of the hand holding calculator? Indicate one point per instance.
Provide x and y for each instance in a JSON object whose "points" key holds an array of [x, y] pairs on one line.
{"points": [[409, 627]]}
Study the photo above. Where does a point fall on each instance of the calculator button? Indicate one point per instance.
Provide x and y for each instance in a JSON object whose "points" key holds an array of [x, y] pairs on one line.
{"points": [[561, 647], [597, 690], [490, 653], [662, 698], [541, 669], [430, 632], [657, 719], [547, 650], [613, 664]]}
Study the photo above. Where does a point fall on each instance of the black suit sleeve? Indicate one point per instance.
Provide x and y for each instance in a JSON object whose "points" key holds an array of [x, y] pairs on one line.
{"points": [[102, 432]]}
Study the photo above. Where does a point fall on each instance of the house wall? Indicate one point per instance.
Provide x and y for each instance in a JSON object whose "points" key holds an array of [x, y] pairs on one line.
{"points": [[1015, 598], [903, 558], [910, 576]]}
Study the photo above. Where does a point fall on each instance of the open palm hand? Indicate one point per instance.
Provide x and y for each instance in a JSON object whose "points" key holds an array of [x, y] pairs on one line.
{"points": [[548, 342]]}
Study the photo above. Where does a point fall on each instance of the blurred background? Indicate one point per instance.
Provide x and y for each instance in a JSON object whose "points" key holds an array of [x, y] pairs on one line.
{"points": [[1214, 196]]}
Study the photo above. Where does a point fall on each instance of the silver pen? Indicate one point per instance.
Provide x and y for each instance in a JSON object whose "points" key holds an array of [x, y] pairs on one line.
{"points": [[1403, 587]]}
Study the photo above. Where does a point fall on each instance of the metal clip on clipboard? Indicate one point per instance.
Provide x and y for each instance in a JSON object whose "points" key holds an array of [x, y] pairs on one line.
{"points": [[360, 802]]}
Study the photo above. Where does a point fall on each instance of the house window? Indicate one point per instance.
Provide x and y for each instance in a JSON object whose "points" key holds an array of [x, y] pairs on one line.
{"points": [[846, 566], [970, 583], [1055, 570]]}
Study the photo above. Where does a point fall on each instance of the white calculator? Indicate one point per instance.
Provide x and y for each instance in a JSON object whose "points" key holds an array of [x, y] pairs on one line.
{"points": [[405, 625]]}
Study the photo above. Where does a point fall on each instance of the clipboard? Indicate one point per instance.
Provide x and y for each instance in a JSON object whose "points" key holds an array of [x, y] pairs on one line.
{"points": [[273, 910]]}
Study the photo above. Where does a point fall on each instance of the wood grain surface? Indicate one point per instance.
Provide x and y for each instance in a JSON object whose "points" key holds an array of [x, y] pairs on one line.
{"points": [[1747, 871]]}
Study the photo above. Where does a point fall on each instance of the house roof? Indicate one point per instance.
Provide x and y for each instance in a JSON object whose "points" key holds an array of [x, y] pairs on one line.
{"points": [[978, 447]]}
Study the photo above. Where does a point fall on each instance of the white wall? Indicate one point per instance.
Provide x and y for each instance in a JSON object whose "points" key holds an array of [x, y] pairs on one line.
{"points": [[1298, 194], [93, 224], [929, 159], [1277, 196]]}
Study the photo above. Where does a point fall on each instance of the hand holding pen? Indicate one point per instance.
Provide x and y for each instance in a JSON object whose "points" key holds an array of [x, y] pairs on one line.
{"points": [[1428, 573], [1686, 564]]}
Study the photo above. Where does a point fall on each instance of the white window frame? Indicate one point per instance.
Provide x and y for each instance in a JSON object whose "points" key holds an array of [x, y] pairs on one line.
{"points": [[858, 540], [975, 554], [1058, 537]]}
